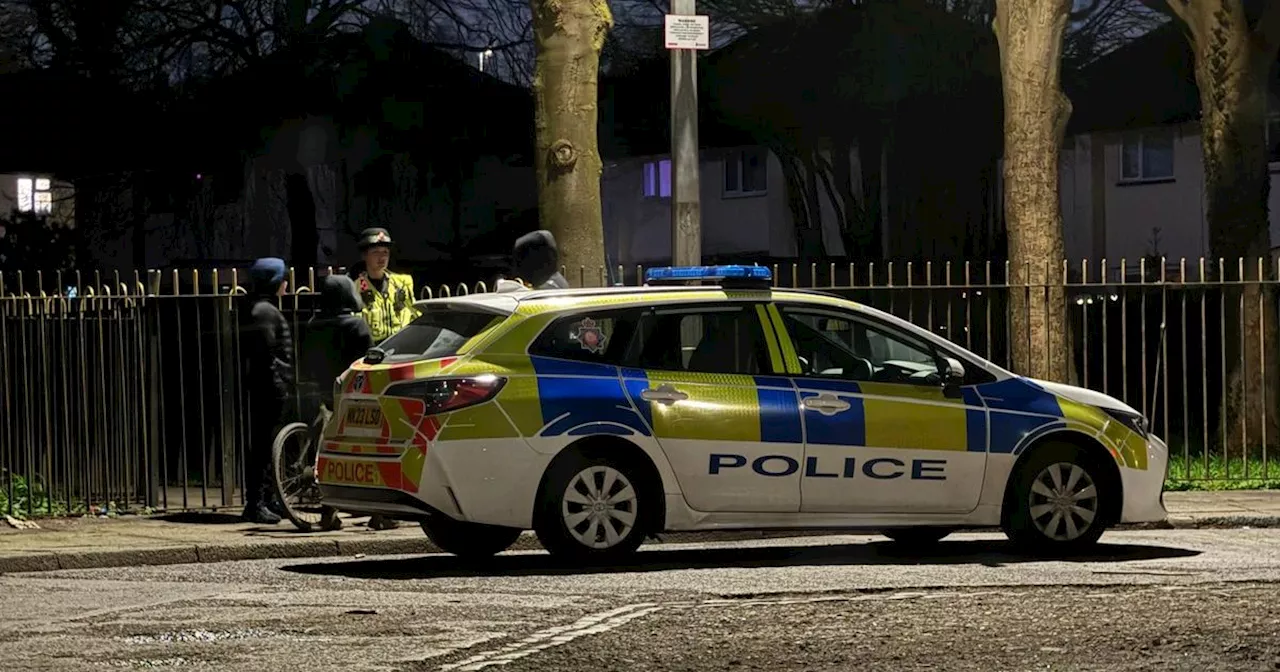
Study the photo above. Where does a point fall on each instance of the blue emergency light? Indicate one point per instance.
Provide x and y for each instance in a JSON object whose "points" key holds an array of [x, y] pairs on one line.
{"points": [[756, 276]]}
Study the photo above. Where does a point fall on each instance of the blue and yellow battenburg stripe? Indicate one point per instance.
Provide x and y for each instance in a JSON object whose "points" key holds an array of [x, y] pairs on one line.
{"points": [[547, 397]]}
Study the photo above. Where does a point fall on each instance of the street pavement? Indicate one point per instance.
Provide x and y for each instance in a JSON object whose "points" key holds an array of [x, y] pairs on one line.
{"points": [[83, 543], [1168, 599]]}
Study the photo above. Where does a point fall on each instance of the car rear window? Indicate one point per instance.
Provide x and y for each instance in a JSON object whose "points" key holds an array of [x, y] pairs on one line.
{"points": [[437, 333]]}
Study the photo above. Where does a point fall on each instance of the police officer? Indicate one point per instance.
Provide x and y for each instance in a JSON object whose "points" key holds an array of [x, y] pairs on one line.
{"points": [[388, 301], [388, 297]]}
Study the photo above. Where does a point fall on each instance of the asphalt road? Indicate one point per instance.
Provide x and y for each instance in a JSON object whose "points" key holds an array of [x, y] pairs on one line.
{"points": [[1167, 600]]}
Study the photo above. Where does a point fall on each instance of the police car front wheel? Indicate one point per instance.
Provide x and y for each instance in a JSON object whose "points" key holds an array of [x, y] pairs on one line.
{"points": [[592, 508], [469, 540], [1058, 499]]}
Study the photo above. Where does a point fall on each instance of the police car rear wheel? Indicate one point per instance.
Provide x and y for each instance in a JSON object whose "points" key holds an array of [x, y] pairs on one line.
{"points": [[1057, 500], [469, 540], [592, 508]]}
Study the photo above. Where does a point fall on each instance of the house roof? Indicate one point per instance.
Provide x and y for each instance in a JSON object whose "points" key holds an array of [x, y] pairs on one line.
{"points": [[415, 96], [61, 123], [1148, 82], [635, 113], [808, 77]]}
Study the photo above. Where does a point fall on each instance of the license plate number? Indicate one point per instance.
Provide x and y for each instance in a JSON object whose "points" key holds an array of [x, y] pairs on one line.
{"points": [[364, 416]]}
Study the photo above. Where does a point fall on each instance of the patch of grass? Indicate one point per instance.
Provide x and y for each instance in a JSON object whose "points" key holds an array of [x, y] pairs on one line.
{"points": [[1189, 473], [17, 496]]}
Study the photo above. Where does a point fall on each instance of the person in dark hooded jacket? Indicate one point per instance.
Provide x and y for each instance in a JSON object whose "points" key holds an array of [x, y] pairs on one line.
{"points": [[267, 347], [535, 259], [334, 338], [337, 336]]}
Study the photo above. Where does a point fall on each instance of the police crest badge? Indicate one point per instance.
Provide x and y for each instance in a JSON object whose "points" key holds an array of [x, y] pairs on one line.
{"points": [[589, 336], [357, 385]]}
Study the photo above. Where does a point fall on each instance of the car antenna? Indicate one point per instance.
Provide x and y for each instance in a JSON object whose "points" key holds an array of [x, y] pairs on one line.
{"points": [[1155, 384]]}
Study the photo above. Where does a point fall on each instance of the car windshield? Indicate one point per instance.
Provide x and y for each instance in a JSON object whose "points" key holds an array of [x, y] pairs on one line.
{"points": [[437, 333]]}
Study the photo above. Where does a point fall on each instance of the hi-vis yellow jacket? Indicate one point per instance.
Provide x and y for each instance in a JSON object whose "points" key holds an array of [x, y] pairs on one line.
{"points": [[390, 310]]}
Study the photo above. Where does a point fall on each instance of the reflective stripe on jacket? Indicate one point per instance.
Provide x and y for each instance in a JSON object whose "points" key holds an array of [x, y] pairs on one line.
{"points": [[389, 311]]}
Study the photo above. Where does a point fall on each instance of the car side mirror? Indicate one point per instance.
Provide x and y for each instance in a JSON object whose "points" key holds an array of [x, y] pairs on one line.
{"points": [[954, 375]]}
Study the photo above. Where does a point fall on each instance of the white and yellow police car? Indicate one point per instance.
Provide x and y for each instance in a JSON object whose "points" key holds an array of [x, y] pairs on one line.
{"points": [[597, 417]]}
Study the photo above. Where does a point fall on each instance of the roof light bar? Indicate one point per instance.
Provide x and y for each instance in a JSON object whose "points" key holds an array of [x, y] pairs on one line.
{"points": [[734, 274]]}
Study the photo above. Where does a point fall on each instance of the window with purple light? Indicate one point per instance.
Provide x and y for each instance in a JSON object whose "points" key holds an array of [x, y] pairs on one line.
{"points": [[657, 179]]}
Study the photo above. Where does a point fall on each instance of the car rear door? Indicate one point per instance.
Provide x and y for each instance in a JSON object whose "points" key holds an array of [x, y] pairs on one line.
{"points": [[706, 377], [882, 433]]}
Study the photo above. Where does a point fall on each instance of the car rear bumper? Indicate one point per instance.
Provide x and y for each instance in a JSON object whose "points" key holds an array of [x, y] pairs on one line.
{"points": [[479, 481]]}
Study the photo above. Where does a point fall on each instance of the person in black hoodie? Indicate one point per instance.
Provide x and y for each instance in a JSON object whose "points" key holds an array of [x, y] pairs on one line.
{"points": [[334, 338], [535, 261], [337, 336], [267, 347]]}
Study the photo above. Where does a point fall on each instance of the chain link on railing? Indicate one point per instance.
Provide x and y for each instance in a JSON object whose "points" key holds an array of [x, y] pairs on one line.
{"points": [[126, 391]]}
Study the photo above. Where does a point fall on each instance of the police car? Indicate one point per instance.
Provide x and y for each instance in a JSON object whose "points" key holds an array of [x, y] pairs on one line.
{"points": [[598, 417]]}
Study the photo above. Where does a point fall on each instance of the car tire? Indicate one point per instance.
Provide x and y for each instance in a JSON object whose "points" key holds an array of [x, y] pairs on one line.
{"points": [[917, 537], [472, 541], [593, 509], [1058, 500]]}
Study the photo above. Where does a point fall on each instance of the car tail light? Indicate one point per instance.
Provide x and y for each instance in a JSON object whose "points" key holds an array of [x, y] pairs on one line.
{"points": [[449, 394]]}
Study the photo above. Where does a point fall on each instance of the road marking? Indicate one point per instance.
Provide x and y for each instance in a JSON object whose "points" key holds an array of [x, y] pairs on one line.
{"points": [[555, 636]]}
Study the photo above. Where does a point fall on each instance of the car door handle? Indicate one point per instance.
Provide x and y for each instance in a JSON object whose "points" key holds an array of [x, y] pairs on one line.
{"points": [[827, 404], [664, 394]]}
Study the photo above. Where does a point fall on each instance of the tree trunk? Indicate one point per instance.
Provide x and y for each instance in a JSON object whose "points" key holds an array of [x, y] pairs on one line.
{"points": [[1233, 65], [1035, 117], [568, 36]]}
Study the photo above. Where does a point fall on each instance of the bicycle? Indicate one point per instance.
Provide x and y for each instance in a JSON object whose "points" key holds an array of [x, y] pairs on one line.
{"points": [[293, 461]]}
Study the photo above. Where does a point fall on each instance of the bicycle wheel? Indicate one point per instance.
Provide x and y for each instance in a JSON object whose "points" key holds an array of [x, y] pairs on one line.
{"points": [[293, 459]]}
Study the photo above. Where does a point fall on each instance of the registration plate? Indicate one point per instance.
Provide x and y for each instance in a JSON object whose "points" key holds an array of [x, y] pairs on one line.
{"points": [[364, 416]]}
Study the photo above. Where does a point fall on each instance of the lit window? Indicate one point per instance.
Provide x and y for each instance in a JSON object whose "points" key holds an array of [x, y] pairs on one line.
{"points": [[26, 194], [657, 179], [746, 173], [35, 195], [1147, 155]]}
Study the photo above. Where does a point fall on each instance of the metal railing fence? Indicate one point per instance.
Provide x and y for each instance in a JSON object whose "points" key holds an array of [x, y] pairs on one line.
{"points": [[123, 392]]}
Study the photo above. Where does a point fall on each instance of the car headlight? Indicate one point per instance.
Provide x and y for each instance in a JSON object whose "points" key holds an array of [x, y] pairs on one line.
{"points": [[1133, 421]]}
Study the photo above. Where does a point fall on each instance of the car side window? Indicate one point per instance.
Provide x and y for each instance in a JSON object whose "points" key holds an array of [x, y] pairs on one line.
{"points": [[725, 339], [836, 345], [597, 337]]}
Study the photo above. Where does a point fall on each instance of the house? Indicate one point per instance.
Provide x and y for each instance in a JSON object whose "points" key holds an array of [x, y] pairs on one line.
{"points": [[299, 152], [38, 194], [51, 141], [850, 160], [1132, 174], [743, 191]]}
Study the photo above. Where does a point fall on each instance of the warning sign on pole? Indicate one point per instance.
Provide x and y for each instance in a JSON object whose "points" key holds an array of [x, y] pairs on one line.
{"points": [[688, 32]]}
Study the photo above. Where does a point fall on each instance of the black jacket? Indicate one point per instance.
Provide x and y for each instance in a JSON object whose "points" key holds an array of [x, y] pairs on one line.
{"points": [[336, 337], [267, 347], [535, 259]]}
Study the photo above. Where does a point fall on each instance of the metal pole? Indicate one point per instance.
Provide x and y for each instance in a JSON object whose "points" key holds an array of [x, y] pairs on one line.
{"points": [[686, 208]]}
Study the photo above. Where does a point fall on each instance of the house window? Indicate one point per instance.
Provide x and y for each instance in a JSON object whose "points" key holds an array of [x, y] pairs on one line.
{"points": [[35, 195], [1147, 155], [657, 179], [745, 172]]}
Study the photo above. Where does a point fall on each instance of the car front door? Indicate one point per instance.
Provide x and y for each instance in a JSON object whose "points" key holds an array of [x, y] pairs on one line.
{"points": [[883, 434], [707, 378]]}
